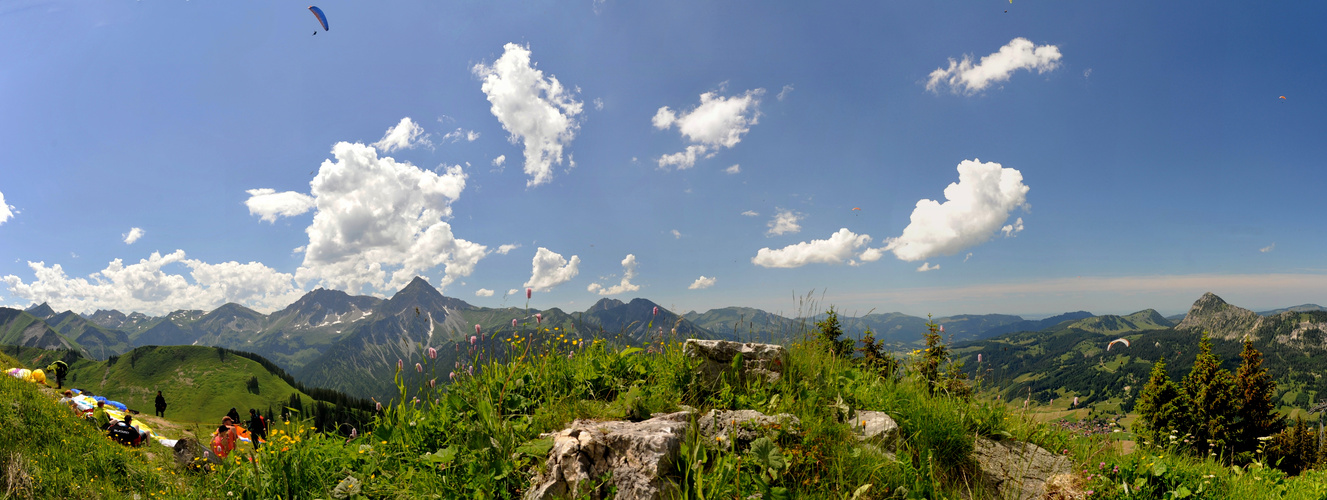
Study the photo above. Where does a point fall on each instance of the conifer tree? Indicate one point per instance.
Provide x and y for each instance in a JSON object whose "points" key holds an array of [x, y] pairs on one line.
{"points": [[1257, 411], [1211, 391], [829, 331], [1161, 406]]}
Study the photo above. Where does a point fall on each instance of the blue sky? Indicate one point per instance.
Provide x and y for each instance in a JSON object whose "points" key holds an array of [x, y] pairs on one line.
{"points": [[1119, 155]]}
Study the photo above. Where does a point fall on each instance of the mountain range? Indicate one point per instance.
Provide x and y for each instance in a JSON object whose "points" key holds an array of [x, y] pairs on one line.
{"points": [[350, 343]]}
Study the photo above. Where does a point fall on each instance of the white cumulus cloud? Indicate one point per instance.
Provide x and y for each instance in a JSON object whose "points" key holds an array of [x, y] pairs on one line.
{"points": [[269, 204], [461, 134], [751, 213], [965, 77], [628, 274], [147, 287], [1267, 248], [551, 269], [735, 169], [483, 292], [380, 223], [926, 266], [976, 208], [702, 283], [503, 249], [1010, 230], [497, 162], [784, 222], [6, 211], [405, 135], [536, 110], [839, 248], [717, 122], [133, 235]]}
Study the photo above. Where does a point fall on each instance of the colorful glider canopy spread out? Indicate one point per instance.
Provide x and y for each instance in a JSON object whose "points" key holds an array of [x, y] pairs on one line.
{"points": [[319, 13], [1113, 342]]}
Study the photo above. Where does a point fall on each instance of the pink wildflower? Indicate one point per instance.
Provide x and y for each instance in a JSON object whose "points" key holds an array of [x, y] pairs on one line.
{"points": [[419, 368], [473, 339], [379, 406], [656, 310], [978, 357], [433, 353], [432, 383], [399, 364], [528, 293], [513, 322], [477, 332], [538, 318]]}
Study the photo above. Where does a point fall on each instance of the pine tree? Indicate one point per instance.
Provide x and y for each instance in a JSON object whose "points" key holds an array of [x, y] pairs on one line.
{"points": [[1161, 406], [829, 330], [1257, 411], [1212, 392]]}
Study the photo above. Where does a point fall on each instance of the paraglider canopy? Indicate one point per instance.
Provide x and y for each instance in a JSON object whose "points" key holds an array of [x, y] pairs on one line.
{"points": [[319, 14], [1113, 342]]}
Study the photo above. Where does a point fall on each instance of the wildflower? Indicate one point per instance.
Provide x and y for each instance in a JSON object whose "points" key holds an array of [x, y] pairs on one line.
{"points": [[978, 357], [453, 375], [433, 353], [432, 383], [379, 406], [419, 368], [470, 370], [513, 322], [528, 292], [538, 318], [477, 332], [656, 310], [399, 364], [473, 338]]}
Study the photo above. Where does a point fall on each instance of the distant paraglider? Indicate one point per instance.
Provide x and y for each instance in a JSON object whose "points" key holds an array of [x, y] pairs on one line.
{"points": [[321, 18], [1113, 342]]}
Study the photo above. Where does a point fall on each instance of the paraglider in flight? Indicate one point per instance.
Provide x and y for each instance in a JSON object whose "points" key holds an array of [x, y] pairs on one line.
{"points": [[856, 208], [1283, 97], [321, 18], [1125, 341]]}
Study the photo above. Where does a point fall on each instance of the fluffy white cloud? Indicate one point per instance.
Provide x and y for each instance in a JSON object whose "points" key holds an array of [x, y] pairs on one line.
{"points": [[926, 266], [978, 204], [551, 269], [784, 222], [684, 159], [628, 274], [751, 213], [1267, 248], [1010, 230], [269, 204], [501, 159], [147, 287], [483, 292], [461, 134], [405, 135], [598, 104], [702, 283], [376, 216], [839, 248], [503, 249], [718, 122], [6, 211], [967, 78], [735, 169], [513, 291], [133, 235], [534, 109], [783, 94]]}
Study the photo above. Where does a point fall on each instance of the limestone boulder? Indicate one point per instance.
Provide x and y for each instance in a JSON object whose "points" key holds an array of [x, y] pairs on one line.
{"points": [[762, 362], [876, 427], [745, 426], [634, 457], [1015, 470]]}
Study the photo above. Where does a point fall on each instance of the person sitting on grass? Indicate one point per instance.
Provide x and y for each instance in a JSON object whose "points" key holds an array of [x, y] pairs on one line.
{"points": [[223, 441], [124, 432], [100, 418]]}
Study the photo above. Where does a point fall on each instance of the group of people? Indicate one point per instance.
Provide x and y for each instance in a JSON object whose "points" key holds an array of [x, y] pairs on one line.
{"points": [[122, 431], [226, 435]]}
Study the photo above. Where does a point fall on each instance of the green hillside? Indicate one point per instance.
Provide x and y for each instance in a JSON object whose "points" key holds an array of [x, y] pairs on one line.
{"points": [[200, 383], [97, 341], [23, 329], [1147, 319]]}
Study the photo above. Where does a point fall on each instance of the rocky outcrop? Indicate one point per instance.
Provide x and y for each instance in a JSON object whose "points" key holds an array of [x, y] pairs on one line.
{"points": [[634, 457], [877, 428], [1023, 471], [762, 362], [1220, 319], [745, 426]]}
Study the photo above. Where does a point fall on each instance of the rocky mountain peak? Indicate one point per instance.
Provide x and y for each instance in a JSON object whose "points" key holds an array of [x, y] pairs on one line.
{"points": [[42, 311], [1219, 318], [605, 304]]}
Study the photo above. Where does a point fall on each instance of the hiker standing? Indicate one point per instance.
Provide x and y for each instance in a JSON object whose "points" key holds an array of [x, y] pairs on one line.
{"points": [[257, 427], [59, 368], [234, 416], [161, 405]]}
